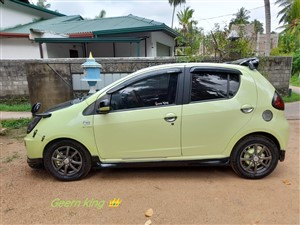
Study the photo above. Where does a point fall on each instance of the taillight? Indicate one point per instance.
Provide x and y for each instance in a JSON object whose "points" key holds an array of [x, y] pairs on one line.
{"points": [[277, 101]]}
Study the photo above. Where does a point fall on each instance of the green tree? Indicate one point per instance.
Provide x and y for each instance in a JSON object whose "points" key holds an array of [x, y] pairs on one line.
{"points": [[241, 17], [258, 26], [43, 4], [219, 41], [294, 18], [191, 35], [175, 3], [289, 41], [296, 63], [102, 14], [222, 47]]}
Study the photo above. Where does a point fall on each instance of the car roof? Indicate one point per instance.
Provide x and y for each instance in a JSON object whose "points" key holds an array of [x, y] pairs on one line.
{"points": [[189, 65], [241, 64]]}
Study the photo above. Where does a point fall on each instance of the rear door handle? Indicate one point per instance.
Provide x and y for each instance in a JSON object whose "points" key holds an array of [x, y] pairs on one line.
{"points": [[170, 117], [247, 109]]}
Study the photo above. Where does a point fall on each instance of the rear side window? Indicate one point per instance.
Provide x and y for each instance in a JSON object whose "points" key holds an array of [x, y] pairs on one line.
{"points": [[213, 85]]}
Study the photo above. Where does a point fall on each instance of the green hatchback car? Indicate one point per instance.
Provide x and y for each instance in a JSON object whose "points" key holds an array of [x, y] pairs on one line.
{"points": [[176, 114]]}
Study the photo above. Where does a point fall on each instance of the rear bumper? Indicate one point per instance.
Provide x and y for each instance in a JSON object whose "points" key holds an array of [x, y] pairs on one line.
{"points": [[281, 155]]}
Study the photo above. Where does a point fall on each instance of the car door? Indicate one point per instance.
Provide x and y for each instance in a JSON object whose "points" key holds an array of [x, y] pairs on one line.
{"points": [[218, 103], [144, 120]]}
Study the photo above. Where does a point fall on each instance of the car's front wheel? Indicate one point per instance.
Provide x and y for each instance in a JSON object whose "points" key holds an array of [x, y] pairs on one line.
{"points": [[67, 160], [254, 157]]}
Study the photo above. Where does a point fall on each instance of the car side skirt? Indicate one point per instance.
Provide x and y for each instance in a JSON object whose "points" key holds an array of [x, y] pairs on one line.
{"points": [[205, 162]]}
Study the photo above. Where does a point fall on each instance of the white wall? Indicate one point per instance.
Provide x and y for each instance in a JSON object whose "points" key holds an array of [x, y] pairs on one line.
{"points": [[18, 48], [106, 49], [61, 50], [130, 49], [163, 50], [100, 49], [13, 14], [10, 18], [161, 38], [24, 48], [121, 49], [124, 49]]}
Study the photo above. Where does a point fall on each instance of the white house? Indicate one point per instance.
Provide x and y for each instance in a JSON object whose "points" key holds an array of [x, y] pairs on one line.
{"points": [[14, 13], [53, 35]]}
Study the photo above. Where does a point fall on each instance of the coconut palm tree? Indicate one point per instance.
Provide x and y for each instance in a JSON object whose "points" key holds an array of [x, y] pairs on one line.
{"points": [[241, 17], [185, 19], [268, 27], [294, 19], [43, 4], [102, 14], [290, 38], [284, 12], [175, 3], [190, 37]]}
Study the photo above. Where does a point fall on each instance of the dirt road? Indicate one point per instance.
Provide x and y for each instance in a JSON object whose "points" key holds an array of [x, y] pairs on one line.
{"points": [[212, 195]]}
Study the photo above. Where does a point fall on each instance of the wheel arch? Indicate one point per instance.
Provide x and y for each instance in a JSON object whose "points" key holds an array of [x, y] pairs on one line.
{"points": [[64, 139], [262, 134]]}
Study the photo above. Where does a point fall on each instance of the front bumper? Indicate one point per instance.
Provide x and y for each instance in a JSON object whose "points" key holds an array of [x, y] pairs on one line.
{"points": [[35, 163]]}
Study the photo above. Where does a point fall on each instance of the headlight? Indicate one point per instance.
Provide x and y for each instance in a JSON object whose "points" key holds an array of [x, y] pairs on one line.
{"points": [[33, 123]]}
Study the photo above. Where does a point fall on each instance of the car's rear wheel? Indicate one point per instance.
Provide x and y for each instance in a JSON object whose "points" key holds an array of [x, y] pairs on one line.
{"points": [[254, 157], [67, 160]]}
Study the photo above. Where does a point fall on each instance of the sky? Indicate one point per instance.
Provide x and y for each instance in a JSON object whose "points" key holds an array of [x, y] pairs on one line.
{"points": [[207, 12]]}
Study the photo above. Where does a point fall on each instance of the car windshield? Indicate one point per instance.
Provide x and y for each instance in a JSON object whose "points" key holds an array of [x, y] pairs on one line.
{"points": [[78, 100], [68, 103]]}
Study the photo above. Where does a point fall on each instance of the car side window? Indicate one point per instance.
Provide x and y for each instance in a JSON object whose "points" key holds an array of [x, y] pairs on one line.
{"points": [[234, 84], [153, 91], [213, 85]]}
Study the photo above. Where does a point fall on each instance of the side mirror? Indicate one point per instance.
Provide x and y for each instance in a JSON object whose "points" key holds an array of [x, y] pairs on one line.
{"points": [[104, 107], [35, 108]]}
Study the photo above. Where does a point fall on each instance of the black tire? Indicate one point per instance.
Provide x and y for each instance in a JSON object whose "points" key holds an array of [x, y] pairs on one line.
{"points": [[254, 157], [67, 160]]}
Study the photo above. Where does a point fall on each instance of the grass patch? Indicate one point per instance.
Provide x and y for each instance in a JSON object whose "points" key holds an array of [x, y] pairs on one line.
{"points": [[293, 98], [17, 134], [24, 107], [15, 124], [10, 158], [295, 81]]}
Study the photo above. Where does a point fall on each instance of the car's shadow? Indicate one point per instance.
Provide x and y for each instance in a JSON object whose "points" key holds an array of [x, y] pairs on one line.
{"points": [[161, 173], [154, 173]]}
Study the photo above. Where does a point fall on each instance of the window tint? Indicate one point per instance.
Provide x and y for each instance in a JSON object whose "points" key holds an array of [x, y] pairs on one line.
{"points": [[207, 86], [234, 83], [153, 91]]}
